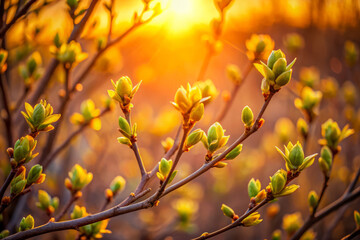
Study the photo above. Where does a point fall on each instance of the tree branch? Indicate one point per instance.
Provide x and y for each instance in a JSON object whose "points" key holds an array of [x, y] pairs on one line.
{"points": [[18, 15]]}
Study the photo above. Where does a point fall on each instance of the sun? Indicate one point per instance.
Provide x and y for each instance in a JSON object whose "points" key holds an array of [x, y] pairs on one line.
{"points": [[182, 8], [181, 15]]}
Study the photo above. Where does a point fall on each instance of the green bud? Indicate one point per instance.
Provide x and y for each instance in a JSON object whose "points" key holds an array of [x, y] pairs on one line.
{"points": [[197, 112], [283, 78], [247, 116], [279, 66], [26, 223], [38, 115], [4, 233], [34, 174], [254, 187], [357, 219], [274, 56], [17, 187], [194, 138], [124, 87], [227, 211], [117, 185], [216, 138], [296, 155], [125, 127], [278, 181], [234, 153], [312, 199], [165, 167], [325, 160], [55, 203], [124, 140], [44, 199]]}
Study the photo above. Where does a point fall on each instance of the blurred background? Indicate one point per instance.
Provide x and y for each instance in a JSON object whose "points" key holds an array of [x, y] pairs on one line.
{"points": [[169, 51]]}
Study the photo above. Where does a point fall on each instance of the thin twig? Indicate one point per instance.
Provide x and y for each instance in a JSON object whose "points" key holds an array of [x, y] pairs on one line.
{"points": [[234, 91], [73, 198], [7, 120], [147, 203], [206, 166], [235, 223], [54, 63], [340, 214], [18, 15], [135, 148], [7, 182], [326, 211], [66, 143]]}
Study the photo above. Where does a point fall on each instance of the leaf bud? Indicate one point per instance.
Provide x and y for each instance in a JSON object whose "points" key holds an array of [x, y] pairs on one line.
{"points": [[247, 117], [26, 223], [254, 187]]}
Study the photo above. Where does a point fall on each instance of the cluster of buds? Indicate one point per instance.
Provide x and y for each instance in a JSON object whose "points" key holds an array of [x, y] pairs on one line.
{"points": [[208, 90], [68, 53], [128, 132], [30, 71], [278, 184], [309, 76], [214, 139], [325, 160], [164, 170], [40, 117], [259, 47], [292, 223], [293, 42], [276, 72], [294, 157], [3, 58], [47, 203], [308, 102], [88, 113], [185, 208], [189, 102], [78, 179], [116, 186], [26, 223], [332, 135], [123, 92], [351, 53], [23, 151], [234, 74], [313, 200], [20, 182], [93, 230]]}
